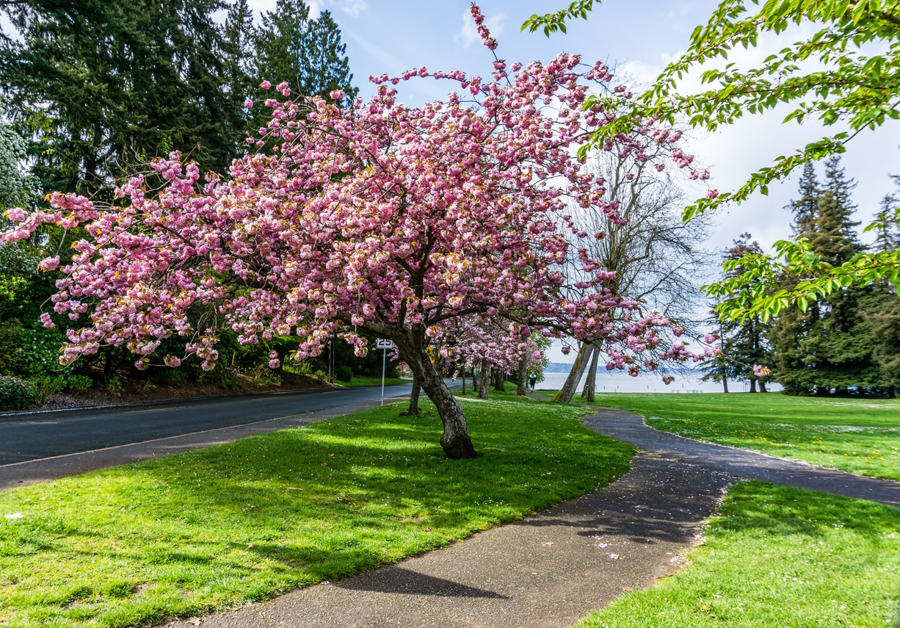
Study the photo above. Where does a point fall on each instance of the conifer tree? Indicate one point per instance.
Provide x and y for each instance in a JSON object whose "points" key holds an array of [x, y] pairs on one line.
{"points": [[306, 53], [743, 343], [97, 85]]}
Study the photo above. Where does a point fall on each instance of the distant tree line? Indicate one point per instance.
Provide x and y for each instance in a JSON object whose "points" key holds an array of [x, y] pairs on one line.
{"points": [[848, 341], [94, 89]]}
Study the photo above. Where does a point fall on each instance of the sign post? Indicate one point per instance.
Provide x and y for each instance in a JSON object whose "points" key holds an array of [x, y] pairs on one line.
{"points": [[381, 343]]}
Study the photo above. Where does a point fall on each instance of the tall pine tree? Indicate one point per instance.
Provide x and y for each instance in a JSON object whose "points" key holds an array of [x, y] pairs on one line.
{"points": [[743, 343], [306, 53], [829, 348], [96, 86]]}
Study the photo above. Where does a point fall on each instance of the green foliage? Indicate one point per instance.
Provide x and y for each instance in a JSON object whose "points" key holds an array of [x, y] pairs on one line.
{"points": [[77, 384], [96, 86], [15, 393], [830, 342], [777, 557], [743, 343], [114, 386], [826, 75], [344, 373], [191, 533], [47, 386]]}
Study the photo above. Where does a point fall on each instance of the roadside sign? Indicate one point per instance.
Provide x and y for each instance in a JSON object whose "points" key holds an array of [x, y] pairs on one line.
{"points": [[382, 343]]}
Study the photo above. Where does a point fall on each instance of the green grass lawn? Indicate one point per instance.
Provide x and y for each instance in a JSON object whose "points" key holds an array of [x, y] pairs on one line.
{"points": [[778, 557], [372, 381], [855, 435], [211, 529]]}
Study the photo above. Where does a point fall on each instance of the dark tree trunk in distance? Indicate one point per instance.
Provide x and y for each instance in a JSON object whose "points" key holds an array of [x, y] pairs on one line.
{"points": [[725, 383], [485, 380], [581, 361], [762, 386], [522, 375], [413, 409], [752, 385], [500, 381], [464, 378], [590, 383]]}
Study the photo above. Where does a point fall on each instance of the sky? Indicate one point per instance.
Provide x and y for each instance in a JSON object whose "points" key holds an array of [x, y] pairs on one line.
{"points": [[389, 36]]}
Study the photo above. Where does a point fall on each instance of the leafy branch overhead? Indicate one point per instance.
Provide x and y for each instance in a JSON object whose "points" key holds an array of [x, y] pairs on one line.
{"points": [[846, 90]]}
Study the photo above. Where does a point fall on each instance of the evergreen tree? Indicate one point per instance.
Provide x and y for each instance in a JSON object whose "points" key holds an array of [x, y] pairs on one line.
{"points": [[743, 344], [830, 346], [306, 53], [98, 85], [804, 209]]}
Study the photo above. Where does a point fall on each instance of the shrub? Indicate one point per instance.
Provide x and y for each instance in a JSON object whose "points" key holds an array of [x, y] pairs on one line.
{"points": [[114, 386], [344, 373], [47, 386], [15, 393], [77, 384]]}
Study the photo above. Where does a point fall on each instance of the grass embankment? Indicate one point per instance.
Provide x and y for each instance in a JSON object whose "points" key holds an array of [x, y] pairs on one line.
{"points": [[211, 529], [855, 435], [778, 557]]}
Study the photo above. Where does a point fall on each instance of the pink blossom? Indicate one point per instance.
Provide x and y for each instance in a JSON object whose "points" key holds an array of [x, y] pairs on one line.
{"points": [[265, 84], [49, 263]]}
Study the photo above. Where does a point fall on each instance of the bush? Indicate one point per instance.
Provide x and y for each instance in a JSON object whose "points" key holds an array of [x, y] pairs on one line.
{"points": [[77, 384], [47, 386], [344, 373], [15, 393]]}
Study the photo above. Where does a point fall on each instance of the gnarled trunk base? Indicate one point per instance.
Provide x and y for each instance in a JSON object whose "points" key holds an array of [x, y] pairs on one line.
{"points": [[455, 440]]}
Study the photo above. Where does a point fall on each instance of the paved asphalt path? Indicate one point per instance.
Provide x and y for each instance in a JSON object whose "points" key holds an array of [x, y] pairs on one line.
{"points": [[555, 567], [49, 445]]}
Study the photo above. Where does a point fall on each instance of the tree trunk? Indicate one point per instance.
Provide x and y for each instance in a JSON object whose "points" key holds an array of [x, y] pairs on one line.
{"points": [[464, 378], [752, 384], [522, 374], [485, 380], [500, 381], [762, 386], [891, 392], [455, 440], [413, 409], [474, 379], [725, 383], [581, 361], [590, 384]]}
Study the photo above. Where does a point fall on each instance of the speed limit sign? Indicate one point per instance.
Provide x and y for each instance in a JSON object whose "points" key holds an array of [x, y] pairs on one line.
{"points": [[382, 343]]}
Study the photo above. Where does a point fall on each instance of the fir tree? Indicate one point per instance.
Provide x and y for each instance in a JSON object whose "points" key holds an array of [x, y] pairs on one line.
{"points": [[804, 209], [96, 85], [306, 53], [743, 343]]}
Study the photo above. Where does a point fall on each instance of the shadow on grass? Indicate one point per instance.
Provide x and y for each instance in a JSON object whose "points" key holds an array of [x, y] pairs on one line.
{"points": [[246, 520]]}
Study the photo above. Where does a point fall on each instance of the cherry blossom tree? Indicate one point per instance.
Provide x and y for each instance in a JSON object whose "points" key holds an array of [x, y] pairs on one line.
{"points": [[374, 217]]}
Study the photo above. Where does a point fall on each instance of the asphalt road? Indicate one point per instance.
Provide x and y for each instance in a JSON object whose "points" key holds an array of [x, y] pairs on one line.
{"points": [[47, 434]]}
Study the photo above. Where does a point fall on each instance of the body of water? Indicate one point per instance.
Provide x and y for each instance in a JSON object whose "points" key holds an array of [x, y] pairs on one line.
{"points": [[610, 382]]}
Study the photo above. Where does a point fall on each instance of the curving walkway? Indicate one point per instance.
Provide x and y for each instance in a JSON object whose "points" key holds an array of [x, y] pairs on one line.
{"points": [[555, 567], [630, 428]]}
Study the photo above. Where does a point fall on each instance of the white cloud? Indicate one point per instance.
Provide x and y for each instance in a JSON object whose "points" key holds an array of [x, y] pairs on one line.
{"points": [[468, 34], [352, 7]]}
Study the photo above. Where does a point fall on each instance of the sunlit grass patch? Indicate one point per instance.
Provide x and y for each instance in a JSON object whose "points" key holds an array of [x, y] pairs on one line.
{"points": [[855, 435], [778, 557], [211, 529]]}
